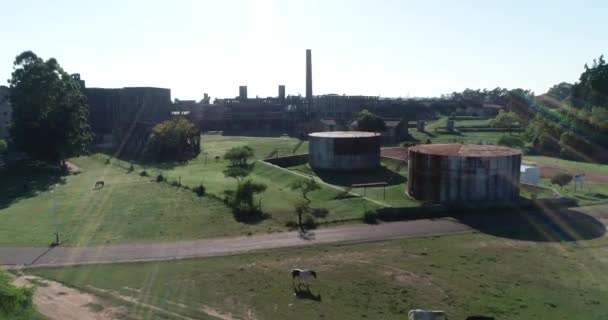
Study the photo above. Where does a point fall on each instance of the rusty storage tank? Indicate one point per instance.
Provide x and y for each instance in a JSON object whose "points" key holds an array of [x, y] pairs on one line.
{"points": [[466, 174], [344, 150]]}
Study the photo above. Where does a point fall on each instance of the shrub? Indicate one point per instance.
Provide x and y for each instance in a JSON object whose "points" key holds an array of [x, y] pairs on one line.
{"points": [[291, 224], [143, 173], [160, 178], [108, 160], [175, 183], [310, 222], [370, 216], [13, 300], [561, 179], [130, 169], [199, 190], [174, 139], [511, 141], [238, 156], [3, 147]]}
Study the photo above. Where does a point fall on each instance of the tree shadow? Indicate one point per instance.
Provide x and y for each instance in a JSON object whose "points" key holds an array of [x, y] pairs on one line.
{"points": [[143, 162], [319, 212], [26, 180], [345, 179], [303, 292], [306, 235], [530, 224], [249, 216]]}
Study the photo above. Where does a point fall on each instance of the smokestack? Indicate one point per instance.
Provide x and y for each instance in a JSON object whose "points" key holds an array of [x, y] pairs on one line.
{"points": [[243, 93], [308, 76], [282, 93]]}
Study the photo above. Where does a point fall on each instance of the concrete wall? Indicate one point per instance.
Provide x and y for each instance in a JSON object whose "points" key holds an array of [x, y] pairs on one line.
{"points": [[288, 161], [326, 154], [457, 179]]}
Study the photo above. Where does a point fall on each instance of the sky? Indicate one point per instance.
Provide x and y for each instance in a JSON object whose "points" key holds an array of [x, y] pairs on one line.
{"points": [[389, 48]]}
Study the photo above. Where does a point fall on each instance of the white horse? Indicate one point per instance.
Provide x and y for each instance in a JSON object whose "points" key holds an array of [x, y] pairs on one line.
{"points": [[303, 275]]}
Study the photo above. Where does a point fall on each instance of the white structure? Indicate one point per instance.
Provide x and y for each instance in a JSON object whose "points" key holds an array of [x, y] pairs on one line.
{"points": [[5, 112], [529, 174]]}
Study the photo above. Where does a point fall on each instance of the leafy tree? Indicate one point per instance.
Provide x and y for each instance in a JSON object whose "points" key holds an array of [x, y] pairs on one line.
{"points": [[561, 179], [238, 172], [504, 120], [238, 156], [593, 83], [560, 91], [174, 139], [3, 147], [50, 113], [304, 186], [367, 121], [511, 141], [241, 199]]}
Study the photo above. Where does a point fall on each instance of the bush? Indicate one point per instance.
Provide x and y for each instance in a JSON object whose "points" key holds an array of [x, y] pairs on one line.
{"points": [[176, 183], [143, 173], [130, 169], [199, 190], [310, 222], [370, 216], [561, 179], [511, 141], [108, 160], [160, 178], [291, 224], [174, 139], [238, 156], [13, 300], [3, 147]]}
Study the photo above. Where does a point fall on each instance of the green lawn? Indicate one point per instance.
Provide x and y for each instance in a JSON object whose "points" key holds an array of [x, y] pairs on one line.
{"points": [[131, 208], [463, 137], [591, 194], [549, 161], [472, 274], [394, 194]]}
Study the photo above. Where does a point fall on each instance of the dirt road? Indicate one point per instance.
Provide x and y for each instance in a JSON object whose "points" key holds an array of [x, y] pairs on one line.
{"points": [[36, 256]]}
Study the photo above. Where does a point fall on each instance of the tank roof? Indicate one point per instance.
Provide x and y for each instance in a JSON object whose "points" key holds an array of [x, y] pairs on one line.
{"points": [[344, 134], [465, 150]]}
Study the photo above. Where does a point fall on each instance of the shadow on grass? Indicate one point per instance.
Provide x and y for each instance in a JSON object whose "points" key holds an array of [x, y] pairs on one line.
{"points": [[249, 216], [27, 179], [303, 292], [539, 224], [143, 162], [345, 179]]}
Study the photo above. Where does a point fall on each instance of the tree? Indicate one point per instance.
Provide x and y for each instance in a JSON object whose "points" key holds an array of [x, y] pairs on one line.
{"points": [[241, 199], [561, 179], [238, 156], [304, 186], [367, 121], [3, 147], [50, 113], [504, 120], [560, 91], [238, 172], [174, 139]]}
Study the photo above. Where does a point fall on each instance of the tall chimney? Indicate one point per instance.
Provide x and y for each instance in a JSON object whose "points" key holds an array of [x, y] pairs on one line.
{"points": [[282, 93], [308, 77]]}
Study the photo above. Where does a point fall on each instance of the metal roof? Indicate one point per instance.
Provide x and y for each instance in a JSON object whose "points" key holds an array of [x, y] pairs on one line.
{"points": [[465, 150]]}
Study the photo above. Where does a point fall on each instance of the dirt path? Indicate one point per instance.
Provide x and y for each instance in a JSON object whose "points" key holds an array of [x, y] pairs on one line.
{"points": [[58, 302], [18, 257]]}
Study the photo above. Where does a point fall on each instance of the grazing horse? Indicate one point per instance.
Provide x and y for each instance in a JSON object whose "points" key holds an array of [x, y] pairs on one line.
{"points": [[98, 185], [302, 275]]}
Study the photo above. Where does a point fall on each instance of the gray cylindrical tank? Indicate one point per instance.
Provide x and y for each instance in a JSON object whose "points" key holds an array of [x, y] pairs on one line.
{"points": [[344, 150], [466, 174]]}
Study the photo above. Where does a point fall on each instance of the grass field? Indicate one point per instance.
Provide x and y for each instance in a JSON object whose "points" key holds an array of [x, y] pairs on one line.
{"points": [[131, 208], [549, 161], [472, 274], [463, 137], [591, 194]]}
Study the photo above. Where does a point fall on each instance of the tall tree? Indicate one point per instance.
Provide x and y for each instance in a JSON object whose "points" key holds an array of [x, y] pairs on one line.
{"points": [[304, 186], [50, 113], [367, 121], [560, 91], [504, 120]]}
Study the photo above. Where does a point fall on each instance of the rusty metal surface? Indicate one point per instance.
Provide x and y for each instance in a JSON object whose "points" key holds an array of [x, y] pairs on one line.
{"points": [[456, 178], [465, 150]]}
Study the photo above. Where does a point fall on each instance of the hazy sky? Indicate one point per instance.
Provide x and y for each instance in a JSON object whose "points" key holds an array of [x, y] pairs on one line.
{"points": [[388, 48]]}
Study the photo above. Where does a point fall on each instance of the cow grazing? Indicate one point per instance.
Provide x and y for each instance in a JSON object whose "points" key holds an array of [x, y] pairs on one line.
{"points": [[98, 185], [419, 314]]}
